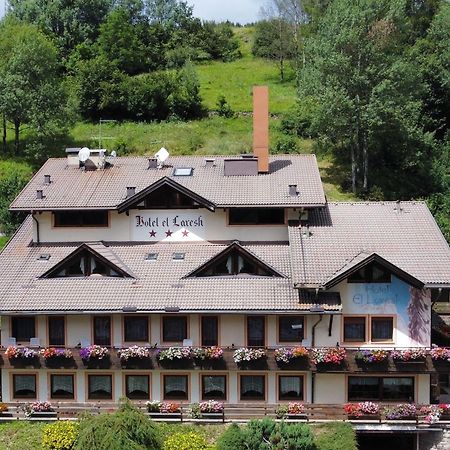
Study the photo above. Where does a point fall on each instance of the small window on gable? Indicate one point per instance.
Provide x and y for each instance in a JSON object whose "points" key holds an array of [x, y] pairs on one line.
{"points": [[235, 261], [166, 197], [85, 263], [372, 273]]}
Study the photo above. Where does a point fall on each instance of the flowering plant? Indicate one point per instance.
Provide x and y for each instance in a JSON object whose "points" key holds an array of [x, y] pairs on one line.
{"points": [[440, 354], [401, 411], [409, 354], [293, 408], [94, 352], [371, 356], [3, 407], [52, 352], [333, 355], [360, 409], [432, 413], [211, 406], [204, 353], [30, 408], [174, 353], [243, 355], [20, 352], [163, 407], [286, 354], [445, 408], [133, 352]]}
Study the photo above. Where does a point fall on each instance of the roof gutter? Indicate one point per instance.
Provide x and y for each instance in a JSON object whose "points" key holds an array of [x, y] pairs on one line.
{"points": [[37, 227]]}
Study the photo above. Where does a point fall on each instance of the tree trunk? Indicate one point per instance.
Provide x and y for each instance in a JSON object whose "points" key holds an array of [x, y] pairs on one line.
{"points": [[353, 157], [365, 164], [282, 69], [16, 137], [4, 134]]}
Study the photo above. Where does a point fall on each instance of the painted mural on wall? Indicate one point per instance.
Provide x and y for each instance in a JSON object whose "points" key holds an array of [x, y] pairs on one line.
{"points": [[411, 306]]}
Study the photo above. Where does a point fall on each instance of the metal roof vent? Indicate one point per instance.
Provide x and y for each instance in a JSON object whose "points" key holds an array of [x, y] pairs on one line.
{"points": [[152, 163], [131, 190], [210, 162], [178, 256], [43, 257], [306, 232], [47, 179], [151, 257], [293, 192], [39, 194]]}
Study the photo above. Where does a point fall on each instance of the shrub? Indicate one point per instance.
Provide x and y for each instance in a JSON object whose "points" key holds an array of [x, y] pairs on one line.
{"points": [[60, 435], [186, 441], [257, 433], [286, 144], [231, 438], [223, 108], [127, 428], [292, 436]]}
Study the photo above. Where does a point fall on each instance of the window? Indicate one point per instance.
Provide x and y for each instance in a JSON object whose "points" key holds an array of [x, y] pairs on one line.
{"points": [[214, 387], [381, 388], [23, 328], [24, 386], [176, 387], [62, 386], [137, 387], [253, 387], [183, 171], [56, 331], [135, 328], [102, 330], [167, 197], [382, 328], [210, 331], [256, 331], [100, 387], [372, 273], [174, 328], [290, 387], [354, 329], [256, 216], [286, 332], [81, 218], [85, 264]]}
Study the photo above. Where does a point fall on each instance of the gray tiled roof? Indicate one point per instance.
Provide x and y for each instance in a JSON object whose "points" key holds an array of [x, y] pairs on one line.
{"points": [[158, 284], [71, 188], [342, 233]]}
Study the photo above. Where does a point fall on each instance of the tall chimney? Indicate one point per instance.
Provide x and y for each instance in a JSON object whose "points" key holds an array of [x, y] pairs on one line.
{"points": [[261, 126]]}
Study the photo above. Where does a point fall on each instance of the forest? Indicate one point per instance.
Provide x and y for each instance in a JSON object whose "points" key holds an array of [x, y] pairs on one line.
{"points": [[368, 84]]}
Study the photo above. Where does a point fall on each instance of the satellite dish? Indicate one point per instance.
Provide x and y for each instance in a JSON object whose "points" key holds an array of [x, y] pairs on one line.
{"points": [[113, 154], [161, 155], [101, 154], [83, 154]]}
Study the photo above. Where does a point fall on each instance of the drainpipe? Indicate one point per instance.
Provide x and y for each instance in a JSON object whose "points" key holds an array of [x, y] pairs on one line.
{"points": [[37, 226], [313, 340]]}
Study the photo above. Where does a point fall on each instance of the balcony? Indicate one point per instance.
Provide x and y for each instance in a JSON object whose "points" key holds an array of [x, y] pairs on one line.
{"points": [[113, 362]]}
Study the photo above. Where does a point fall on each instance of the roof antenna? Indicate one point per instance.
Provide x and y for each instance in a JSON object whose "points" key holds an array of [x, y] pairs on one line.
{"points": [[83, 156]]}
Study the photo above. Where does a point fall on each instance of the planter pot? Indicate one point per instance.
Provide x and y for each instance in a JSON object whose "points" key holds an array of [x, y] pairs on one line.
{"points": [[294, 364], [441, 364], [6, 414], [297, 417], [372, 366], [259, 364], [43, 415], [176, 363], [403, 419], [163, 416], [60, 362], [97, 363], [444, 417], [212, 416], [211, 364], [137, 363], [324, 367], [22, 363], [365, 417]]}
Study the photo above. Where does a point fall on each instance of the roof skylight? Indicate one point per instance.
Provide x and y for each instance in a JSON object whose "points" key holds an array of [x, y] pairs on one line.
{"points": [[183, 171]]}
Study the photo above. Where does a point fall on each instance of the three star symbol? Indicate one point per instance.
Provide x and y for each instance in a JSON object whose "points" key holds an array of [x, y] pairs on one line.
{"points": [[185, 233], [169, 233], [152, 233]]}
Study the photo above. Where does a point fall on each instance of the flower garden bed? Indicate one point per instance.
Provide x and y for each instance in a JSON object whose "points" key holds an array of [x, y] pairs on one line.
{"points": [[57, 357], [292, 357], [328, 358], [95, 357], [291, 411], [410, 355], [208, 410], [163, 410], [135, 357], [402, 411], [22, 356], [372, 359], [362, 411], [175, 358], [209, 357], [250, 358], [39, 410]]}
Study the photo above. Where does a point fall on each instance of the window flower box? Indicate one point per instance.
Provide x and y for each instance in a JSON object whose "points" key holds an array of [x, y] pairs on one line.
{"points": [[250, 358], [4, 410], [362, 411], [39, 410], [22, 356], [175, 357], [440, 357], [292, 411], [163, 410], [328, 358], [57, 357], [432, 413], [409, 355], [371, 358], [444, 409], [294, 357], [209, 357], [135, 356], [402, 411], [95, 357], [208, 410]]}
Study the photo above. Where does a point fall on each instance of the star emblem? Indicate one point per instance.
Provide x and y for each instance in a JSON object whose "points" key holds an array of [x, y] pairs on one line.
{"points": [[169, 233], [152, 233], [185, 233]]}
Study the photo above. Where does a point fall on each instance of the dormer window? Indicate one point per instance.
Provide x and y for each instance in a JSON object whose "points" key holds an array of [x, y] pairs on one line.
{"points": [[372, 273], [235, 261]]}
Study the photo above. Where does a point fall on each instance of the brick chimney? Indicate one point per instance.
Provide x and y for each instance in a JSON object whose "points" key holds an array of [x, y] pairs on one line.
{"points": [[261, 127]]}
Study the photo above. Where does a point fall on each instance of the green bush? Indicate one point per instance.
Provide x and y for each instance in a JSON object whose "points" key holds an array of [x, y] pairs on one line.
{"points": [[127, 428], [60, 436], [231, 438], [186, 441]]}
